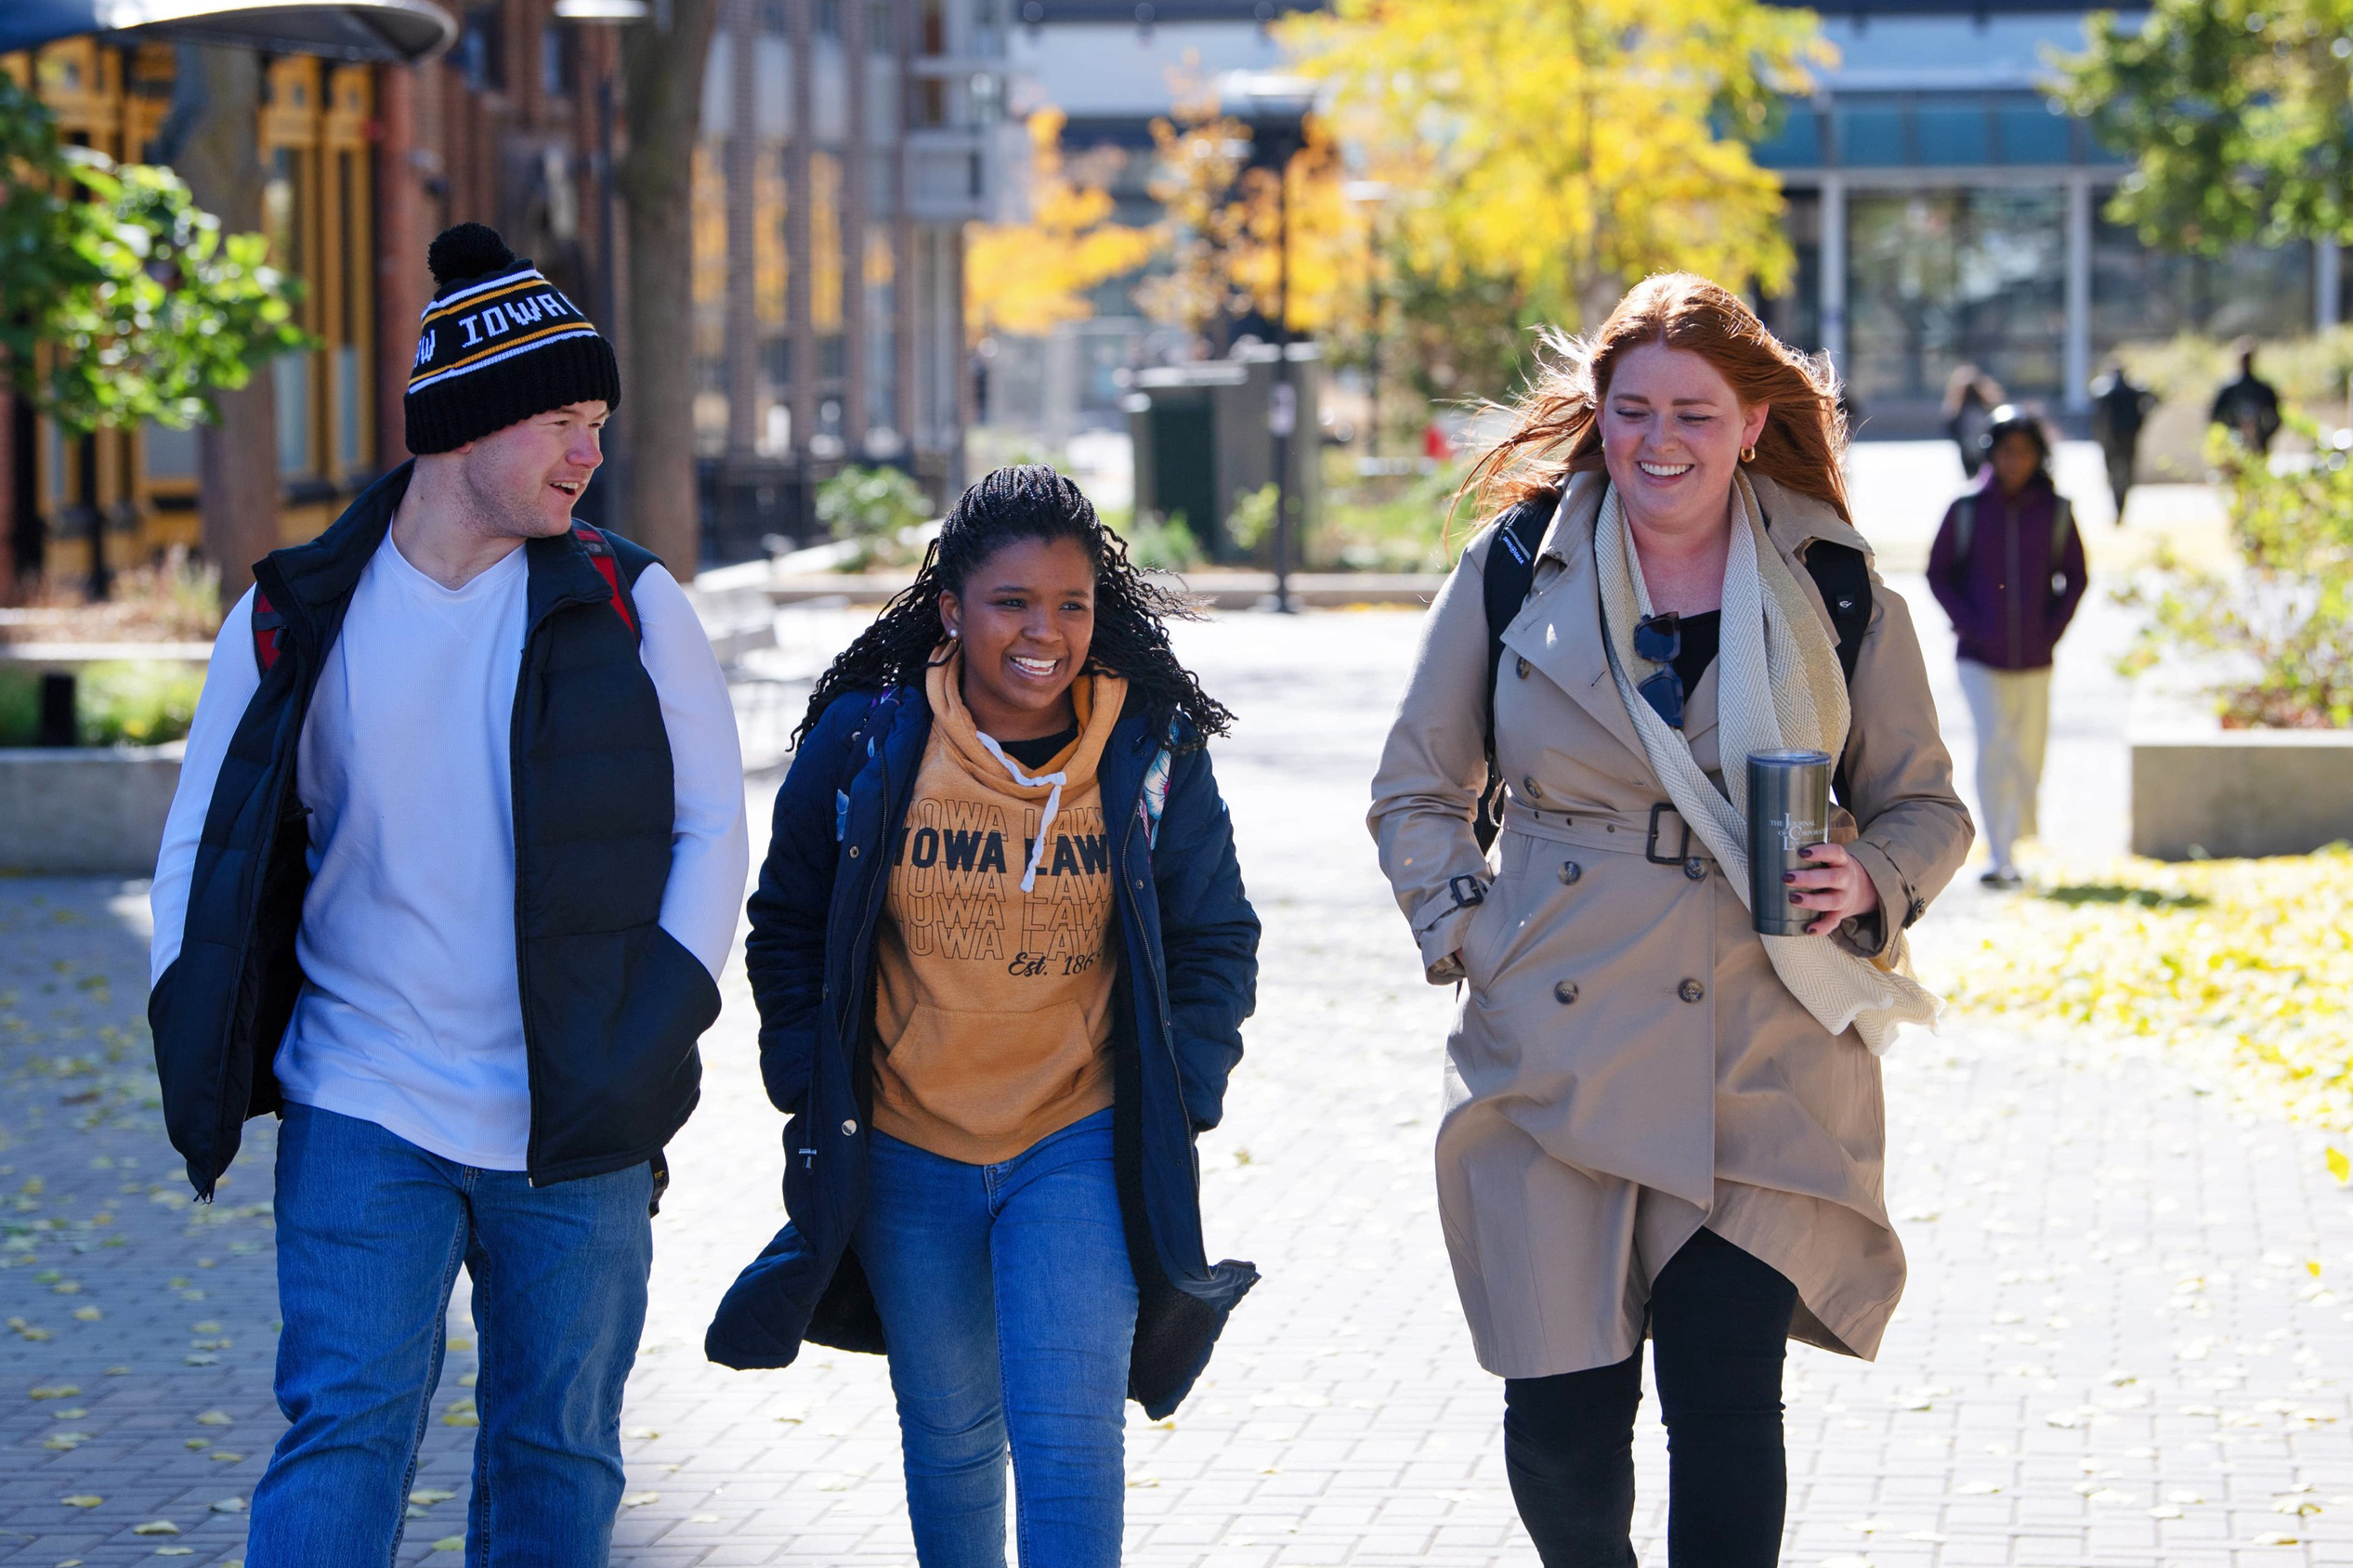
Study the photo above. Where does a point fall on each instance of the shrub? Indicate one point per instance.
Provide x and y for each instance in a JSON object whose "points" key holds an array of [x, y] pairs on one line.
{"points": [[19, 707], [877, 509], [2281, 629], [145, 702], [1162, 546]]}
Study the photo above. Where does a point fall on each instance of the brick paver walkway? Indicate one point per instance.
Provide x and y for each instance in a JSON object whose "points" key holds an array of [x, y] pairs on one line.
{"points": [[2114, 1350]]}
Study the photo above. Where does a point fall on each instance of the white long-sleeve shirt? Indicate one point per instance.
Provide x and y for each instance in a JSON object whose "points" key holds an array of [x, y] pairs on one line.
{"points": [[409, 1015]]}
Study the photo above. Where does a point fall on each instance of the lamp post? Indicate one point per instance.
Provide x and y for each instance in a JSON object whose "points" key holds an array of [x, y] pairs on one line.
{"points": [[606, 13], [1371, 194], [1276, 108]]}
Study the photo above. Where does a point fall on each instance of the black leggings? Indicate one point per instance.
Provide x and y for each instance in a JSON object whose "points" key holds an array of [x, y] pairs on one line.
{"points": [[1720, 1323]]}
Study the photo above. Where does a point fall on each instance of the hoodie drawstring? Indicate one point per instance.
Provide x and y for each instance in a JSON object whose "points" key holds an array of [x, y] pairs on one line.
{"points": [[1053, 805]]}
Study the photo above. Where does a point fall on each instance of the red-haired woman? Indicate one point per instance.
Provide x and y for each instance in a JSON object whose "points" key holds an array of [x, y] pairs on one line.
{"points": [[1659, 1122]]}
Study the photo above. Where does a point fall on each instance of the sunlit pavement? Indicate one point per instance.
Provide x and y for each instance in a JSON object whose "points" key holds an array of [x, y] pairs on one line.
{"points": [[2114, 1349]]}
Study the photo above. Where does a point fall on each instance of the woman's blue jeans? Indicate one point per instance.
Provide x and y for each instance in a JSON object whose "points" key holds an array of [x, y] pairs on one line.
{"points": [[371, 1231], [1010, 1308]]}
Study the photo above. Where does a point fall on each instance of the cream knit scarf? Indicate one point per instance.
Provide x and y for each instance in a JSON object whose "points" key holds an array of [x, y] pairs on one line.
{"points": [[1778, 685]]}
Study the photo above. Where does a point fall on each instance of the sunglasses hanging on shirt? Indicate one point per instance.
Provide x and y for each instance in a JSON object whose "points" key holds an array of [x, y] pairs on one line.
{"points": [[1659, 638]]}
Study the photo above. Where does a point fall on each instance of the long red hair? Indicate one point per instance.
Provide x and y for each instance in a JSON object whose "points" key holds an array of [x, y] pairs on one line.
{"points": [[1555, 431]]}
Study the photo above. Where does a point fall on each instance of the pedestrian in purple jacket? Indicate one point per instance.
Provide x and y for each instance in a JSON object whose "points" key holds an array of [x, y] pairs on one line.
{"points": [[2008, 565]]}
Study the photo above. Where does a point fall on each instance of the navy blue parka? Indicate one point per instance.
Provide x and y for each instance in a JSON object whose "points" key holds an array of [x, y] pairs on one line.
{"points": [[1189, 941]]}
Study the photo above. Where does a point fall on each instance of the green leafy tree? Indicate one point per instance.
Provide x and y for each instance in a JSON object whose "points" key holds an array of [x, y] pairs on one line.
{"points": [[2234, 112], [145, 305]]}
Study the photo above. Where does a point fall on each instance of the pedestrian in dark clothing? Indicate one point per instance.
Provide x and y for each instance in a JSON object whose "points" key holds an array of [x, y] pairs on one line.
{"points": [[2008, 565], [1002, 957], [2248, 406], [1970, 397], [2119, 409]]}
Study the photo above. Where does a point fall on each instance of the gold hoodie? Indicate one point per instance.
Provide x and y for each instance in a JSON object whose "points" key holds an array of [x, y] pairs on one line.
{"points": [[993, 1003]]}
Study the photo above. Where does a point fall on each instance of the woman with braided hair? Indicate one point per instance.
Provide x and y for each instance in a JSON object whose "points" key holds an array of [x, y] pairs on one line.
{"points": [[1002, 958]]}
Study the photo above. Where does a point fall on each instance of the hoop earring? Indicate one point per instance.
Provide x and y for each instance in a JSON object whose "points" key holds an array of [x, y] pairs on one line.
{"points": [[1748, 454]]}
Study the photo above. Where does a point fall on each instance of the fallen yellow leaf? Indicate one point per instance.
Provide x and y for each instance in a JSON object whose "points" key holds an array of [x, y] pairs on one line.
{"points": [[155, 1527], [82, 1500]]}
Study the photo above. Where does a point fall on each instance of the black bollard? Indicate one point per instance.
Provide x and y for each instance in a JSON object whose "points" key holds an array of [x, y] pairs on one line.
{"points": [[57, 708]]}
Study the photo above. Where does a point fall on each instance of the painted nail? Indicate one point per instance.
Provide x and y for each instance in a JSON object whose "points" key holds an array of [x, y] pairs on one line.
{"points": [[1797, 898], [1789, 876]]}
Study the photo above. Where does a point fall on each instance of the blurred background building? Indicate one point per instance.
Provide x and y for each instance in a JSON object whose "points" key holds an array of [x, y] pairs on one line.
{"points": [[845, 144], [1944, 214]]}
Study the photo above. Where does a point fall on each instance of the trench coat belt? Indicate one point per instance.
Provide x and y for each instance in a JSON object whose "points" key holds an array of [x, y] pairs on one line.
{"points": [[1660, 835]]}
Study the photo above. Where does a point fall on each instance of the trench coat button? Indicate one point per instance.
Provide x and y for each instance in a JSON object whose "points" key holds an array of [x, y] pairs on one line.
{"points": [[1695, 869], [1912, 916], [1691, 990], [853, 852], [1528, 786], [1571, 871], [1520, 668], [849, 1129], [1564, 993]]}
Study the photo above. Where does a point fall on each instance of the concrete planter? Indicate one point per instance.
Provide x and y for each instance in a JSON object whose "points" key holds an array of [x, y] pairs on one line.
{"points": [[2233, 792], [90, 811]]}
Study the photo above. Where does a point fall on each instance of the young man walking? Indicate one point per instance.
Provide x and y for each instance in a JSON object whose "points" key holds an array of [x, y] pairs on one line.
{"points": [[457, 854]]}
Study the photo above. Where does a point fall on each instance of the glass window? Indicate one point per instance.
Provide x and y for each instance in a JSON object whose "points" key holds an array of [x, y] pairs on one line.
{"points": [[2032, 134], [171, 454], [1872, 139], [1952, 134], [291, 375], [1794, 144], [881, 310], [1937, 279], [348, 398], [2140, 295], [554, 60]]}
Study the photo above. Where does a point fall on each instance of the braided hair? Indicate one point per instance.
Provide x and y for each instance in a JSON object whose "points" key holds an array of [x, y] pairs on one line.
{"points": [[1131, 634]]}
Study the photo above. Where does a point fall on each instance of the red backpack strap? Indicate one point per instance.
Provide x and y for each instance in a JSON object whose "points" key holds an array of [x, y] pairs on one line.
{"points": [[269, 631], [600, 552]]}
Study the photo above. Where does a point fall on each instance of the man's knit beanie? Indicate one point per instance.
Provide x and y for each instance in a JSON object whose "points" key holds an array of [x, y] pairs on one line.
{"points": [[497, 344]]}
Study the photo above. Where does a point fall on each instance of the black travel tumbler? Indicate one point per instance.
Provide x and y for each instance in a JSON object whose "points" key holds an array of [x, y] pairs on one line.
{"points": [[1788, 809]]}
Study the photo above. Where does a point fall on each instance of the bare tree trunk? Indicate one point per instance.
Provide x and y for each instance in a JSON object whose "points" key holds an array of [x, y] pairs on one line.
{"points": [[662, 70], [237, 457]]}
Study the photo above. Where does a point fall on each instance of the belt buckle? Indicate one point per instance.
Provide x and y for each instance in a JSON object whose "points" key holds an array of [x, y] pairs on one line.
{"points": [[1650, 846]]}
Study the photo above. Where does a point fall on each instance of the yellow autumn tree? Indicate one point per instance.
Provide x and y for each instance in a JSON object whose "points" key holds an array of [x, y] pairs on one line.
{"points": [[1025, 278], [1567, 146], [1225, 220]]}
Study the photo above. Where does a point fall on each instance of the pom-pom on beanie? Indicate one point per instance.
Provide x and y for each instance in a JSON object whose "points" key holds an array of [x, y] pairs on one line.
{"points": [[497, 344]]}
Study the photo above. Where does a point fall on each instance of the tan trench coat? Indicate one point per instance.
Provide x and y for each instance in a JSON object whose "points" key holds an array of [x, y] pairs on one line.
{"points": [[1627, 1067]]}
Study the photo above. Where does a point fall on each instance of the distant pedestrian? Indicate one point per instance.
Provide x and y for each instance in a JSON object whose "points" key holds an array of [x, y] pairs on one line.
{"points": [[2119, 409], [2008, 565], [2248, 406], [1002, 957], [456, 858], [1660, 1125], [1969, 398]]}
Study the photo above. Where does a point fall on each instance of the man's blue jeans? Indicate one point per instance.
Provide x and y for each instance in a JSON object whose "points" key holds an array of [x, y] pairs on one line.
{"points": [[1010, 1308], [371, 1231]]}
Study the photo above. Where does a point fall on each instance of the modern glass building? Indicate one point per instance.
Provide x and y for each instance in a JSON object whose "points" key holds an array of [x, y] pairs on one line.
{"points": [[1945, 213]]}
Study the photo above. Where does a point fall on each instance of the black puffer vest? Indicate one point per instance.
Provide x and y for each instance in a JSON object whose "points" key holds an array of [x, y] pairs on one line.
{"points": [[612, 1005]]}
